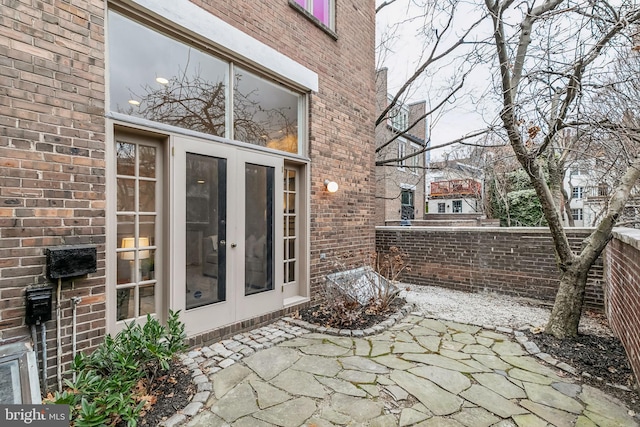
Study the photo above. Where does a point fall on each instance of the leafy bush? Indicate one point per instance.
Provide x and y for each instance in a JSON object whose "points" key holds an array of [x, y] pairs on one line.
{"points": [[104, 391]]}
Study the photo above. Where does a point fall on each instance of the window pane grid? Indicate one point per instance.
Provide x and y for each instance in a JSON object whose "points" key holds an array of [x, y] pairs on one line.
{"points": [[136, 219]]}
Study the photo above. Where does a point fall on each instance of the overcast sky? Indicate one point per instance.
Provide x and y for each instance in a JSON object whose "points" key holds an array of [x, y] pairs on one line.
{"points": [[403, 58]]}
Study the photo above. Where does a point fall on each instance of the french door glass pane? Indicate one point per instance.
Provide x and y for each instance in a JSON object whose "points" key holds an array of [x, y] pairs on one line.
{"points": [[259, 196], [205, 230]]}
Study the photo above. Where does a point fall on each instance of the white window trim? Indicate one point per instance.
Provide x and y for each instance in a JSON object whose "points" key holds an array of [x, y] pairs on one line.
{"points": [[226, 37]]}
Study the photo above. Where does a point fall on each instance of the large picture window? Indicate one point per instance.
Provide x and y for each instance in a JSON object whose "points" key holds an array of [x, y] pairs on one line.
{"points": [[157, 78]]}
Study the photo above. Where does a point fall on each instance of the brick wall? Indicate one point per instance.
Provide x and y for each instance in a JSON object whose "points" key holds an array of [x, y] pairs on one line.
{"points": [[622, 291], [52, 171], [52, 143], [518, 262], [341, 137]]}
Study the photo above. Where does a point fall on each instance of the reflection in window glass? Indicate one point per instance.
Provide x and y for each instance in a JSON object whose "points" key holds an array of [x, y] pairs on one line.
{"points": [[264, 114], [259, 195], [160, 79]]}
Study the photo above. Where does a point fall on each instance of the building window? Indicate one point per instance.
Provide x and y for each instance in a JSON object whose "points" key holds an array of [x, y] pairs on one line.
{"points": [[402, 152], [407, 205], [576, 214], [290, 224], [603, 190], [399, 117], [577, 192], [322, 10], [441, 208], [457, 206], [138, 202], [414, 161], [155, 77]]}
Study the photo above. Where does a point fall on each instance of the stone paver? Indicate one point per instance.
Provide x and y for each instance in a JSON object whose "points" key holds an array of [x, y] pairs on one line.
{"points": [[415, 372]]}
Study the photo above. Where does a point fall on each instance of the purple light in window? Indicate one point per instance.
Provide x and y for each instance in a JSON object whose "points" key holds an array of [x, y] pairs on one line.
{"points": [[320, 10], [302, 3]]}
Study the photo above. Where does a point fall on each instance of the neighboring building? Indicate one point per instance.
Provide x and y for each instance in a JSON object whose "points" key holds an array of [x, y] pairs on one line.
{"points": [[589, 197], [177, 138], [400, 161], [454, 187]]}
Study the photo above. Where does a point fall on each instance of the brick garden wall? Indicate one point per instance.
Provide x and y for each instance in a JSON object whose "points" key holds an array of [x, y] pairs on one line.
{"points": [[622, 291], [518, 262]]}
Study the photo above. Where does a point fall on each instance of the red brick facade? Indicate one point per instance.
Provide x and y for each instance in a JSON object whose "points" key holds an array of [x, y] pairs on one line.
{"points": [[53, 132], [512, 261], [622, 291]]}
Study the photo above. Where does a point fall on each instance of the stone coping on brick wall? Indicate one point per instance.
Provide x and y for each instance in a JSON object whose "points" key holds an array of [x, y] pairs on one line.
{"points": [[630, 236], [519, 230]]}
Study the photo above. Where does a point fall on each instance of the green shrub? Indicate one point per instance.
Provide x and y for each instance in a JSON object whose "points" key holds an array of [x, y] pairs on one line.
{"points": [[103, 391]]}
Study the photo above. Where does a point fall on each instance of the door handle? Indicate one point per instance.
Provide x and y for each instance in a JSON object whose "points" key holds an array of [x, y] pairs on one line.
{"points": [[223, 242]]}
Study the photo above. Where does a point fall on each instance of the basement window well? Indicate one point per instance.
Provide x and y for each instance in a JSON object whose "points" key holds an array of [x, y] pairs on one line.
{"points": [[19, 383]]}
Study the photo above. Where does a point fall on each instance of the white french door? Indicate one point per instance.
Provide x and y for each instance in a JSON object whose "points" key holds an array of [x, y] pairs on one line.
{"points": [[226, 255]]}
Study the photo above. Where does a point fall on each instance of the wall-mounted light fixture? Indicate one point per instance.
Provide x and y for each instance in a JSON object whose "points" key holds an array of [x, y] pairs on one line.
{"points": [[331, 186]]}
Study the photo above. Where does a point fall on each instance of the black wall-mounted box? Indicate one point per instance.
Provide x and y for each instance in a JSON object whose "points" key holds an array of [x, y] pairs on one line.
{"points": [[38, 305], [71, 261]]}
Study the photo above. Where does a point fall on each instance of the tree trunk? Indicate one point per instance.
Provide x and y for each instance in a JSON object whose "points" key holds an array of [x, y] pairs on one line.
{"points": [[565, 316]]}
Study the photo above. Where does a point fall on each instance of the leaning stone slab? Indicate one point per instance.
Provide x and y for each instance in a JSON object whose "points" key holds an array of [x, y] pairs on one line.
{"points": [[554, 416], [492, 401], [270, 362], [548, 396], [292, 413], [225, 380], [451, 381], [437, 400], [363, 364], [476, 417], [236, 404], [500, 385], [358, 409], [317, 365]]}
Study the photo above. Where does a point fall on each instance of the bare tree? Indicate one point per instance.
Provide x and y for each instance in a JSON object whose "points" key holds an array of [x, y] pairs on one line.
{"points": [[585, 34]]}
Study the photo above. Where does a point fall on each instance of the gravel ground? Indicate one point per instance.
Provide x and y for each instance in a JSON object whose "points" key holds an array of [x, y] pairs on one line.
{"points": [[489, 309]]}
